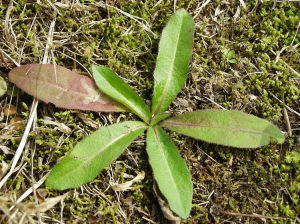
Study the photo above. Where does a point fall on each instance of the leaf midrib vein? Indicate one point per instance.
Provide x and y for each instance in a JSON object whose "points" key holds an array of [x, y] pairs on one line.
{"points": [[180, 124], [70, 91]]}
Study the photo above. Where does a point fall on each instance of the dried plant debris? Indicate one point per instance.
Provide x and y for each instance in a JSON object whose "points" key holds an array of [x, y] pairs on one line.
{"points": [[3, 86], [24, 212], [124, 35], [128, 185]]}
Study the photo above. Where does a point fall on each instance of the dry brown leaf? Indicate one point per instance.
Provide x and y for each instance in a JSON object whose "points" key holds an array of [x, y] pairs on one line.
{"points": [[62, 87], [33, 208], [127, 185], [181, 102], [88, 121], [4, 205], [3, 168], [60, 126], [6, 150], [94, 219], [19, 123], [9, 110], [41, 193]]}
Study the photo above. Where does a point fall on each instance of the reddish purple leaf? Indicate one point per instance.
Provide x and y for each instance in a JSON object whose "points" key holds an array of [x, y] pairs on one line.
{"points": [[62, 87]]}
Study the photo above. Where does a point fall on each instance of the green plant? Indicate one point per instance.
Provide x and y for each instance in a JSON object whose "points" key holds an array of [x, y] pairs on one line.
{"points": [[95, 152], [228, 55]]}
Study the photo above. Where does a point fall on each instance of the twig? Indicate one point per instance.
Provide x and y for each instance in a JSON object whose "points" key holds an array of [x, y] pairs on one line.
{"points": [[201, 7], [10, 58], [33, 181], [22, 143], [157, 3], [174, 5], [28, 33], [293, 70], [137, 19], [30, 190], [214, 103], [207, 154], [287, 107], [284, 48], [90, 74], [287, 121], [295, 34], [7, 15]]}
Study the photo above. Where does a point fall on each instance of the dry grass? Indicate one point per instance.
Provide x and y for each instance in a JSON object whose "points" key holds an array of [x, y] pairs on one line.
{"points": [[230, 185]]}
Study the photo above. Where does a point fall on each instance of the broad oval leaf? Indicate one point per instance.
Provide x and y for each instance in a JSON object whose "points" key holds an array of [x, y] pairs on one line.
{"points": [[62, 87], [115, 87], [175, 49], [170, 171], [231, 128], [92, 154]]}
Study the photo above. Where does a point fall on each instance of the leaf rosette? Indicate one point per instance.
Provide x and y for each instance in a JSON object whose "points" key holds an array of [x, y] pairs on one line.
{"points": [[69, 90]]}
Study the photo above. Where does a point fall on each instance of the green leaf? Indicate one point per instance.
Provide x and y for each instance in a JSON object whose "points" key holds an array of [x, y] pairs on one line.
{"points": [[92, 154], [115, 87], [175, 48], [232, 128], [230, 54], [224, 51], [170, 171], [233, 61]]}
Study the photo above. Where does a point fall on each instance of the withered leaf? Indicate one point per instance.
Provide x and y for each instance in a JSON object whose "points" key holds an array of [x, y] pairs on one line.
{"points": [[62, 87]]}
